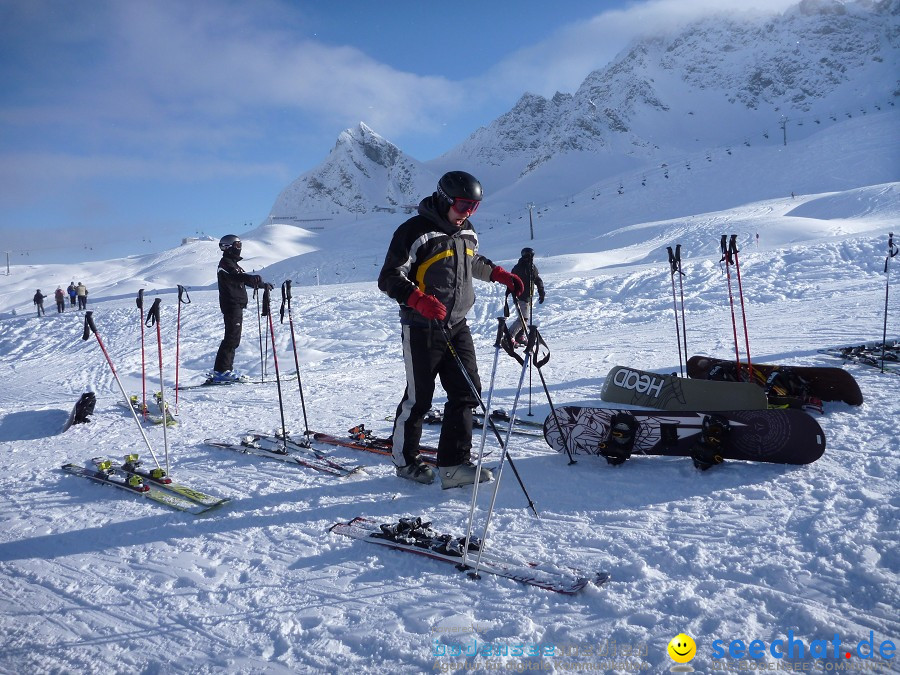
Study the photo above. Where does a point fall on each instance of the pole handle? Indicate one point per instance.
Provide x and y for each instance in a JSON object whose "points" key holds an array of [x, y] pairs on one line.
{"points": [[89, 326], [153, 313]]}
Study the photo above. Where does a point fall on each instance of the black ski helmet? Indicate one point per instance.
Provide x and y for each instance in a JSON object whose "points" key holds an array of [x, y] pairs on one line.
{"points": [[527, 252], [455, 185], [230, 241]]}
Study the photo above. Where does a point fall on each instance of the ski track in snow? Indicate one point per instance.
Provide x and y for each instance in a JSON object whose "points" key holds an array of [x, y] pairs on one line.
{"points": [[93, 581]]}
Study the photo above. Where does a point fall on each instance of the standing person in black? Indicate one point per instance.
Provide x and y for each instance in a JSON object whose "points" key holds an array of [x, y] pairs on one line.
{"points": [[527, 271], [232, 300], [429, 267], [39, 302]]}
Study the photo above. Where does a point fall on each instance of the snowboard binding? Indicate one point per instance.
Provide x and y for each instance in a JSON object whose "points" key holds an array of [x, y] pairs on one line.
{"points": [[706, 453], [619, 442]]}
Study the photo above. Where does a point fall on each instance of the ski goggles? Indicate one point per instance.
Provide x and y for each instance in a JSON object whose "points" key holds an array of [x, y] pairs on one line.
{"points": [[465, 206]]}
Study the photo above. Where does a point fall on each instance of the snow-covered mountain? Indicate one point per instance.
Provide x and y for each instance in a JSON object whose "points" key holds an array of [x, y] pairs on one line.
{"points": [[363, 173], [728, 81]]}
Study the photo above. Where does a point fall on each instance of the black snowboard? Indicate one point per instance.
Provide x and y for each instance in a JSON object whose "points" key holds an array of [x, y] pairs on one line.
{"points": [[828, 384], [776, 436]]}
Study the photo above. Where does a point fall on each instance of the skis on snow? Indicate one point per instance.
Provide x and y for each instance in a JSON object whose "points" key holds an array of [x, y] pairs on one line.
{"points": [[414, 535], [288, 451], [174, 495]]}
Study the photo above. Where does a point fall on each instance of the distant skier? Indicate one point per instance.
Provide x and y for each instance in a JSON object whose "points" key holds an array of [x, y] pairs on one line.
{"points": [[39, 302], [527, 271], [232, 301], [429, 267], [60, 298], [73, 293], [82, 292]]}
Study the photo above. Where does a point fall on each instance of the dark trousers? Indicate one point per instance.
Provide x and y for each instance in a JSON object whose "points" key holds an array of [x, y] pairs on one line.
{"points": [[60, 306], [72, 298], [40, 308], [427, 356], [233, 319], [82, 302]]}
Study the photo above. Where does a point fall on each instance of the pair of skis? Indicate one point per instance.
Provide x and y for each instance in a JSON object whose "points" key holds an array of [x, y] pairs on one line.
{"points": [[413, 535], [152, 484], [289, 451], [130, 475]]}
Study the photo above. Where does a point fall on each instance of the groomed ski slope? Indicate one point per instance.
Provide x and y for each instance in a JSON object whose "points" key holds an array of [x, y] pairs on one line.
{"points": [[96, 582]]}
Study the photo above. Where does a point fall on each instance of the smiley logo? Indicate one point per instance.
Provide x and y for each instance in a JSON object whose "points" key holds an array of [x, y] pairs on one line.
{"points": [[682, 648]]}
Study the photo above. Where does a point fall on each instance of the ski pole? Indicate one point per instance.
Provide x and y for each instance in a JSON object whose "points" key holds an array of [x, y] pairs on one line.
{"points": [[538, 364], [153, 320], [262, 363], [673, 267], [487, 417], [504, 455], [140, 306], [892, 251], [737, 268], [89, 328], [286, 300], [726, 258], [501, 328], [267, 312], [681, 291], [182, 293]]}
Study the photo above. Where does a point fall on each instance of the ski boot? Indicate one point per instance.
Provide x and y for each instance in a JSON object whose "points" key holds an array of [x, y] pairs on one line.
{"points": [[706, 453], [619, 443]]}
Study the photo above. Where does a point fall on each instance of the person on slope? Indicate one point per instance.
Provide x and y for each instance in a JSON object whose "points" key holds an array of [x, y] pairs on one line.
{"points": [[73, 294], [232, 301], [60, 298], [82, 292], [39, 302], [429, 267], [527, 271]]}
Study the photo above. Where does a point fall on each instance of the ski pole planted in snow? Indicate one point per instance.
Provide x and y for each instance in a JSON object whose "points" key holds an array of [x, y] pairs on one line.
{"points": [[89, 328], [733, 249], [487, 416], [504, 453], [286, 302], [267, 312], [140, 306], [153, 320], [892, 252], [673, 267], [183, 299], [727, 259]]}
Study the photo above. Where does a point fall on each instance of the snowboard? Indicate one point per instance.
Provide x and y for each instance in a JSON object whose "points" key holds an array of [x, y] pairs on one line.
{"points": [[670, 392], [775, 436], [828, 384]]}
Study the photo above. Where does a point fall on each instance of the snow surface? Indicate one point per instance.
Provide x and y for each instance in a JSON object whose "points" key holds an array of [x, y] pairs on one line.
{"points": [[96, 581]]}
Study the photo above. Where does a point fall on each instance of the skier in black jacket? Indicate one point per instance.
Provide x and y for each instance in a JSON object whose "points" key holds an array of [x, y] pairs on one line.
{"points": [[429, 267], [232, 300], [527, 271]]}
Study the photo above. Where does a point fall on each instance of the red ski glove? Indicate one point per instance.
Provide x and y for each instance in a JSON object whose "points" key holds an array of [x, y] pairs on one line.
{"points": [[427, 305], [511, 281]]}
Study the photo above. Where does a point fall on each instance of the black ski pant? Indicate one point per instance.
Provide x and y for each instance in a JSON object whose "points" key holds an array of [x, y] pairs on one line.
{"points": [[60, 306], [234, 319], [425, 357]]}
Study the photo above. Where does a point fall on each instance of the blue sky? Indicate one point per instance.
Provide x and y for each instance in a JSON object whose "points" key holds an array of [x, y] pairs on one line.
{"points": [[127, 124]]}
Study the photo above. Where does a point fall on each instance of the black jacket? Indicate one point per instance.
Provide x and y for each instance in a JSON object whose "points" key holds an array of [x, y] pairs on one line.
{"points": [[430, 253], [231, 277], [527, 271]]}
